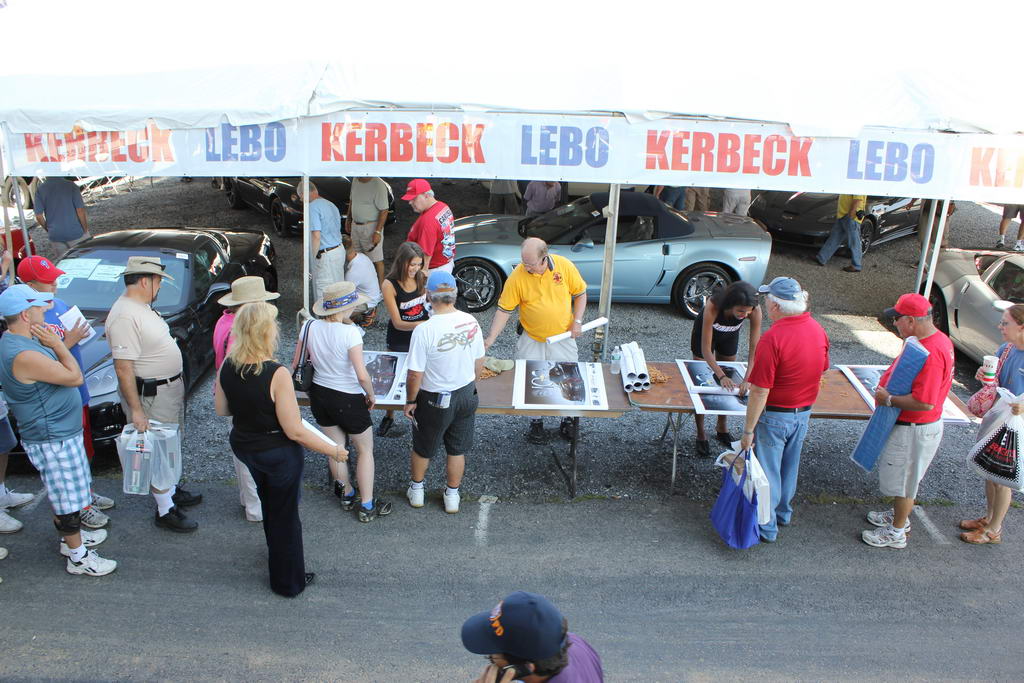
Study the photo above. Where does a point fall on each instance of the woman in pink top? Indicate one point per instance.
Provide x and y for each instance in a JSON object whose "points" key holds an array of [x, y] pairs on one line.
{"points": [[244, 290]]}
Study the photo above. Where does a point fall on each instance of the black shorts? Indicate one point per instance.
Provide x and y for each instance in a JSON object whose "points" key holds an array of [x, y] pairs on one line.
{"points": [[337, 409], [452, 426], [723, 345]]}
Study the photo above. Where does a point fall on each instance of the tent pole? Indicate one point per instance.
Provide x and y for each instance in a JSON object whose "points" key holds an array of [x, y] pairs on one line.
{"points": [[937, 248], [604, 305], [9, 246], [17, 191], [927, 232], [306, 263]]}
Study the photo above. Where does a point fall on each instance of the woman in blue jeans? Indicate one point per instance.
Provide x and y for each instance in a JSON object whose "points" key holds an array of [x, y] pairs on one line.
{"points": [[267, 435]]}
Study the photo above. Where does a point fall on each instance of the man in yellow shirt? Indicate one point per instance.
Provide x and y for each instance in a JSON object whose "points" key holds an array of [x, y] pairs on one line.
{"points": [[849, 214], [551, 297]]}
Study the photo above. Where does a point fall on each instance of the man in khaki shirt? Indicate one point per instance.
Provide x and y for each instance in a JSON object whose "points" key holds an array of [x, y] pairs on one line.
{"points": [[148, 365], [365, 218]]}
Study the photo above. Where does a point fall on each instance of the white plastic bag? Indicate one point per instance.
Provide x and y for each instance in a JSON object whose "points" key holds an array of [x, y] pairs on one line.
{"points": [[997, 454], [757, 482], [149, 459]]}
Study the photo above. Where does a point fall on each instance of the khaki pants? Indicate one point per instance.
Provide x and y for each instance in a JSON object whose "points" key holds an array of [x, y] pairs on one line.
{"points": [[362, 240], [528, 348], [330, 268], [698, 199]]}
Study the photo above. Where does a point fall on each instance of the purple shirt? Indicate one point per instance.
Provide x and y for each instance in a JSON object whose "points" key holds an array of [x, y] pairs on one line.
{"points": [[584, 663], [540, 198]]}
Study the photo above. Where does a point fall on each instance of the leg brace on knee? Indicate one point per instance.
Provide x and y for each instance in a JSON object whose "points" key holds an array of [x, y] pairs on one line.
{"points": [[68, 524]]}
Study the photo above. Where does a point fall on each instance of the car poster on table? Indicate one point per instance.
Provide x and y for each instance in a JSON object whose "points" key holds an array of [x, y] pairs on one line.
{"points": [[559, 385], [707, 395], [387, 373], [864, 379]]}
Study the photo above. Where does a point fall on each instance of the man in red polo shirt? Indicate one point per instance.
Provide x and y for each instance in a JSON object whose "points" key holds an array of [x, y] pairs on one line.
{"points": [[784, 383], [915, 439], [434, 229]]}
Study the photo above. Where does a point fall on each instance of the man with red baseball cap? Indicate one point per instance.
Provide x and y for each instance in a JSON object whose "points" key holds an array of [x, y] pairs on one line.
{"points": [[434, 229], [915, 439], [41, 274]]}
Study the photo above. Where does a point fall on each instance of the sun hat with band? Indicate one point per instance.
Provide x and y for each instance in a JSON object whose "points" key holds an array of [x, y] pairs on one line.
{"points": [[38, 269], [18, 298], [524, 625], [338, 298], [247, 290], [145, 265]]}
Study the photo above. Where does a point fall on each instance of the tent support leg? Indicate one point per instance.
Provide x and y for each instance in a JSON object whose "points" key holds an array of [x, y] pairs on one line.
{"points": [[937, 247], [604, 305], [926, 230]]}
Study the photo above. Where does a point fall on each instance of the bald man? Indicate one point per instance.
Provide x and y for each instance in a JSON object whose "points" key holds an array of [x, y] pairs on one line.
{"points": [[551, 297]]}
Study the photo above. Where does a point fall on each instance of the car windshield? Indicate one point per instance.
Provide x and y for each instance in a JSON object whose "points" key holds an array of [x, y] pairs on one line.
{"points": [[92, 279], [560, 220]]}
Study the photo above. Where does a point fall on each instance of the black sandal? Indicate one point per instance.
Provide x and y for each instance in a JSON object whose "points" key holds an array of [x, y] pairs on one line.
{"points": [[725, 438], [703, 449]]}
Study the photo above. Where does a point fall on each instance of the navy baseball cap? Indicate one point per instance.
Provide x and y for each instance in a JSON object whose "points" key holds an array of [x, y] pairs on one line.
{"points": [[441, 281], [524, 625], [18, 298], [782, 287]]}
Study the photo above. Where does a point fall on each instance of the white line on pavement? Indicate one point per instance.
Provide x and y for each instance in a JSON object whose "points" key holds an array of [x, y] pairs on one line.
{"points": [[481, 521], [929, 526], [31, 505]]}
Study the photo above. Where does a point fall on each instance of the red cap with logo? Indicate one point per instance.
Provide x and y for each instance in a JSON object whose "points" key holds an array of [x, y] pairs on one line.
{"points": [[38, 269], [913, 305], [415, 188]]}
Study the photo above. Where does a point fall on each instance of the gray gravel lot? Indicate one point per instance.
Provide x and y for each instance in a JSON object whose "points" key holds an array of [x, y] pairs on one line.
{"points": [[618, 457]]}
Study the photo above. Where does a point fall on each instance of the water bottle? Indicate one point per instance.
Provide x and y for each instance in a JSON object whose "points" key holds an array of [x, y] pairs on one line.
{"points": [[616, 360]]}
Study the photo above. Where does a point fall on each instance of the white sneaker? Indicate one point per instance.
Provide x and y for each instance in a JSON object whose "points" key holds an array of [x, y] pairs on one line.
{"points": [[1019, 246], [451, 502], [12, 499], [884, 537], [8, 524], [94, 519], [415, 497], [884, 518], [101, 502], [91, 565], [90, 539]]}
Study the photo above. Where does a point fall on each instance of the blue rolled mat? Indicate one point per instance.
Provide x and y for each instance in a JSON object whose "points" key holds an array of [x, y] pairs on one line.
{"points": [[876, 433]]}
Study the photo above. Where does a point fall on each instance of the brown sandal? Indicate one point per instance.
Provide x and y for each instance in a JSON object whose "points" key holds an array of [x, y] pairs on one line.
{"points": [[982, 536], [974, 524]]}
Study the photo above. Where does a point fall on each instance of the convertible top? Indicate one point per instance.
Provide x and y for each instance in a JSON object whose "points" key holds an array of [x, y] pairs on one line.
{"points": [[670, 223]]}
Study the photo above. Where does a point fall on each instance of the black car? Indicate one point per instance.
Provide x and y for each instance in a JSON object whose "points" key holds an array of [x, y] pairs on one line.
{"points": [[807, 217], [203, 263], [279, 198]]}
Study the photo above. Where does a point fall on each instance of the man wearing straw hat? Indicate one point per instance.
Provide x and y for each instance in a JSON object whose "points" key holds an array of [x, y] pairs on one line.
{"points": [[245, 290], [148, 366]]}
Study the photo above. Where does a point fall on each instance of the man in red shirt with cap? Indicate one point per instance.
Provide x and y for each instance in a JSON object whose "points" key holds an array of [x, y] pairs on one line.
{"points": [[434, 229], [915, 439]]}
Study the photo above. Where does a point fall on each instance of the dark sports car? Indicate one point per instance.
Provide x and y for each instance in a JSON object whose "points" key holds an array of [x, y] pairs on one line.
{"points": [[807, 217], [278, 197], [203, 263]]}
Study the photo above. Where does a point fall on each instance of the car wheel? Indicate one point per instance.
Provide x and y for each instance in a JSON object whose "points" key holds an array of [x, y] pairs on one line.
{"points": [[277, 218], [231, 190], [867, 234], [8, 199], [695, 285], [939, 315], [270, 279], [479, 284]]}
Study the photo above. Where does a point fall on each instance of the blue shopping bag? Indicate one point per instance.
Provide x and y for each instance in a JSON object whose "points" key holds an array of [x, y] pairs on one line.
{"points": [[733, 516]]}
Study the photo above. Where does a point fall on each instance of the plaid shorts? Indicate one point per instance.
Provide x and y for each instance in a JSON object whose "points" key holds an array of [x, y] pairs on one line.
{"points": [[65, 472]]}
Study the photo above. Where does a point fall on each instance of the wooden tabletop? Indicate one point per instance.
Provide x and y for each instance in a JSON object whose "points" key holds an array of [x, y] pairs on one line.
{"points": [[496, 398]]}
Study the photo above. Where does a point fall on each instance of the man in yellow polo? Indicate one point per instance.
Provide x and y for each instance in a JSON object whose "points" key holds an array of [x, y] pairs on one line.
{"points": [[551, 297]]}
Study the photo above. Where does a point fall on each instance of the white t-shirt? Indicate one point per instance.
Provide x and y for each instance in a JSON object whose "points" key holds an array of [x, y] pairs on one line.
{"points": [[360, 272], [328, 344], [445, 349]]}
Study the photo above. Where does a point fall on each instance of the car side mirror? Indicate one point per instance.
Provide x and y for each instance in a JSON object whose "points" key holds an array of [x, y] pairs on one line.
{"points": [[216, 289], [585, 243]]}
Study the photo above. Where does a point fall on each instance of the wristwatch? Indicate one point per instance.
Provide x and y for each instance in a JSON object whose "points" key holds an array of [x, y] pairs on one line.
{"points": [[578, 321]]}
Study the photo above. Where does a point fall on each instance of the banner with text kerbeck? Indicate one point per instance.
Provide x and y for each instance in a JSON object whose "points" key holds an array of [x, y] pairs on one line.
{"points": [[528, 146]]}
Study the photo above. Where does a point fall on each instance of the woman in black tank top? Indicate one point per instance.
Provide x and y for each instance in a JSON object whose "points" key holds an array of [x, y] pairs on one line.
{"points": [[267, 435], [405, 297], [716, 337]]}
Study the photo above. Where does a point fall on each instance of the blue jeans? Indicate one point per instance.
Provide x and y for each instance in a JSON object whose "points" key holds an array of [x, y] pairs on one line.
{"points": [[674, 197], [845, 230], [778, 439]]}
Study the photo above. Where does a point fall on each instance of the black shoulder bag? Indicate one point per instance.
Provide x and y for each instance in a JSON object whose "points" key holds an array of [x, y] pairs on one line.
{"points": [[303, 375]]}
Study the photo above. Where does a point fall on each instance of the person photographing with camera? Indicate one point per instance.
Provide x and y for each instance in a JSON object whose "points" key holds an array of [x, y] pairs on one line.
{"points": [[846, 230]]}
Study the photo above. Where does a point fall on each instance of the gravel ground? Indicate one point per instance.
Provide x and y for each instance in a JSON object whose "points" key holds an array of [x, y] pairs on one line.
{"points": [[618, 457]]}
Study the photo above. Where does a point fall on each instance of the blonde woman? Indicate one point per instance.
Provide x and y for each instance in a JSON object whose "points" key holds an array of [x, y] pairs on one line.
{"points": [[267, 435], [342, 394]]}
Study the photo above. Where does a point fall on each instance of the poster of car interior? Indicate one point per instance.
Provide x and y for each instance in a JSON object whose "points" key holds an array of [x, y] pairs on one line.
{"points": [[864, 379], [707, 395], [387, 373], [559, 385]]}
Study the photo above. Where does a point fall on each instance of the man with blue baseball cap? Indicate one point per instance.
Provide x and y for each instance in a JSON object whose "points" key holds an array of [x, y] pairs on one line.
{"points": [[785, 378], [526, 638], [40, 379]]}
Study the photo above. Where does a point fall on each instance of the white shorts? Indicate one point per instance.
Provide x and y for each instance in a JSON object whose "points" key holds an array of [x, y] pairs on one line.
{"points": [[362, 240], [528, 348], [448, 267], [907, 454]]}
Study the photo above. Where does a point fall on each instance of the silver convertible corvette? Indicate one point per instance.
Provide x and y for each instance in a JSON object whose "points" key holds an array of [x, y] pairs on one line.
{"points": [[970, 291], [661, 256]]}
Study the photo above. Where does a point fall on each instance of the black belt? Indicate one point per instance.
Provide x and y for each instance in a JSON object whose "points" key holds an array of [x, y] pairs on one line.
{"points": [[904, 423], [777, 409], [147, 387], [324, 251]]}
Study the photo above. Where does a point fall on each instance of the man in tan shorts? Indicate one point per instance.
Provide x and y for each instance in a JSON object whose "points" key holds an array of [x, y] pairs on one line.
{"points": [[148, 365], [365, 217]]}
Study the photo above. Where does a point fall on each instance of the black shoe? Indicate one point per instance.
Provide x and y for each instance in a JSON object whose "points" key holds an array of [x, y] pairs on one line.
{"points": [[384, 426], [175, 520], [309, 577], [348, 503], [537, 434], [381, 508], [725, 438], [339, 489], [565, 428], [702, 448], [184, 499], [851, 269]]}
